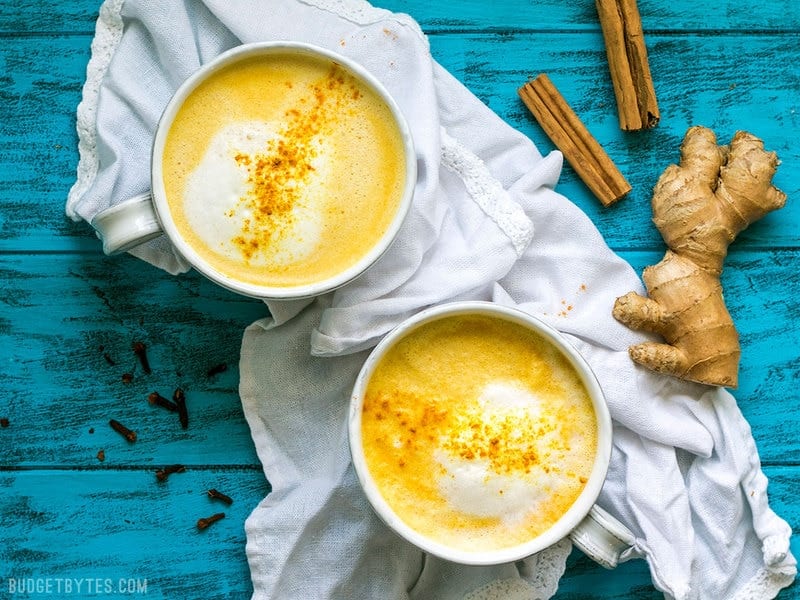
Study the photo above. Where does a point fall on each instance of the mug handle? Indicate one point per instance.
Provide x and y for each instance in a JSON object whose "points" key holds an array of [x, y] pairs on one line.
{"points": [[128, 224], [604, 539]]}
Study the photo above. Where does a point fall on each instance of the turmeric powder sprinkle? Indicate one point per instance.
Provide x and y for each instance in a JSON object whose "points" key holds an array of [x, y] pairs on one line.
{"points": [[505, 440], [276, 176]]}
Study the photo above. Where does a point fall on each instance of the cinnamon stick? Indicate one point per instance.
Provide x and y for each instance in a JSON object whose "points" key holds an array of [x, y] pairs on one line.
{"points": [[628, 64], [569, 134]]}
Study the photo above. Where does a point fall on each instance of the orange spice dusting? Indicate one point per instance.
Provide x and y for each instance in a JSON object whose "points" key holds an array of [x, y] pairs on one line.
{"points": [[566, 310], [440, 434], [276, 176], [505, 441]]}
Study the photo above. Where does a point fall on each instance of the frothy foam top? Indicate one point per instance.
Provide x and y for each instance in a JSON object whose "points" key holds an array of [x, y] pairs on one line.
{"points": [[283, 170], [477, 432], [491, 457], [264, 224]]}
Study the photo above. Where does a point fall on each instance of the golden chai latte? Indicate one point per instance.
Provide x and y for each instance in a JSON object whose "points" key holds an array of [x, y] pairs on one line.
{"points": [[283, 169], [477, 432]]}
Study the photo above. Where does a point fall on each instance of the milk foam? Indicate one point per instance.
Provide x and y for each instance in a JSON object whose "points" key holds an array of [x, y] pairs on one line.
{"points": [[478, 433], [282, 170], [473, 486], [214, 199]]}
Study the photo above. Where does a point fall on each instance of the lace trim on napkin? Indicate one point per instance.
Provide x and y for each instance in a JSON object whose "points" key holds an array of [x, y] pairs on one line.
{"points": [[481, 185], [766, 584], [108, 33], [487, 192], [539, 577]]}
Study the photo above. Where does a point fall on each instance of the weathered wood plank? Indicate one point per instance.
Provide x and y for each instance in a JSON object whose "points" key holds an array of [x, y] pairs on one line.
{"points": [[59, 316], [759, 292], [38, 142], [110, 519], [725, 93], [122, 524], [28, 17], [548, 15], [78, 16], [754, 88]]}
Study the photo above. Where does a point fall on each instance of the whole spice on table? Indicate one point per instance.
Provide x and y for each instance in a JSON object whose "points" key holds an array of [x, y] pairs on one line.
{"points": [[217, 495], [122, 430], [569, 134], [205, 522], [140, 350], [101, 455], [179, 398], [163, 474], [628, 64], [157, 399], [699, 206], [4, 422]]}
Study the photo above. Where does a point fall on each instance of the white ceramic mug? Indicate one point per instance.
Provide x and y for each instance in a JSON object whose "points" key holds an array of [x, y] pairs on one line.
{"points": [[592, 529], [142, 218]]}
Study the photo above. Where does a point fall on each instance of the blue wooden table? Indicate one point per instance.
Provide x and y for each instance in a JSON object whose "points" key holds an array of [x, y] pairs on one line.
{"points": [[68, 314]]}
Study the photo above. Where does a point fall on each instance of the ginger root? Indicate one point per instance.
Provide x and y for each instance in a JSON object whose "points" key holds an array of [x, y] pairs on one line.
{"points": [[699, 207]]}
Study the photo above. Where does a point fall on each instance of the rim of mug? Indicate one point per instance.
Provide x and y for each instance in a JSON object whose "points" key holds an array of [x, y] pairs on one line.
{"points": [[267, 292], [568, 521]]}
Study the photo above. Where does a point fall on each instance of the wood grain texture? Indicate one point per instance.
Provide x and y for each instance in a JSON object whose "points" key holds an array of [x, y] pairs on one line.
{"points": [[728, 65], [38, 141], [59, 319], [38, 144], [737, 99], [25, 17], [121, 523]]}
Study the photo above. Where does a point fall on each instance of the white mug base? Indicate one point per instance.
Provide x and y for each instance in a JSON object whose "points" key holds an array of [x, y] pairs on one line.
{"points": [[127, 224], [603, 538]]}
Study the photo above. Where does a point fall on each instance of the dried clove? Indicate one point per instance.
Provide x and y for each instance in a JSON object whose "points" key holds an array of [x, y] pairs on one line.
{"points": [[4, 422], [179, 398], [127, 377], [158, 400], [203, 523], [162, 474], [217, 369], [216, 495], [140, 350], [122, 430]]}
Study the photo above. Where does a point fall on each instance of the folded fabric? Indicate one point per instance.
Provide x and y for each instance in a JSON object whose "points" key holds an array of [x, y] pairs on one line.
{"points": [[485, 224]]}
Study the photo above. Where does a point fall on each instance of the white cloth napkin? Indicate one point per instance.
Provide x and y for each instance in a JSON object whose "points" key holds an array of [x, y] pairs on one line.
{"points": [[685, 475]]}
